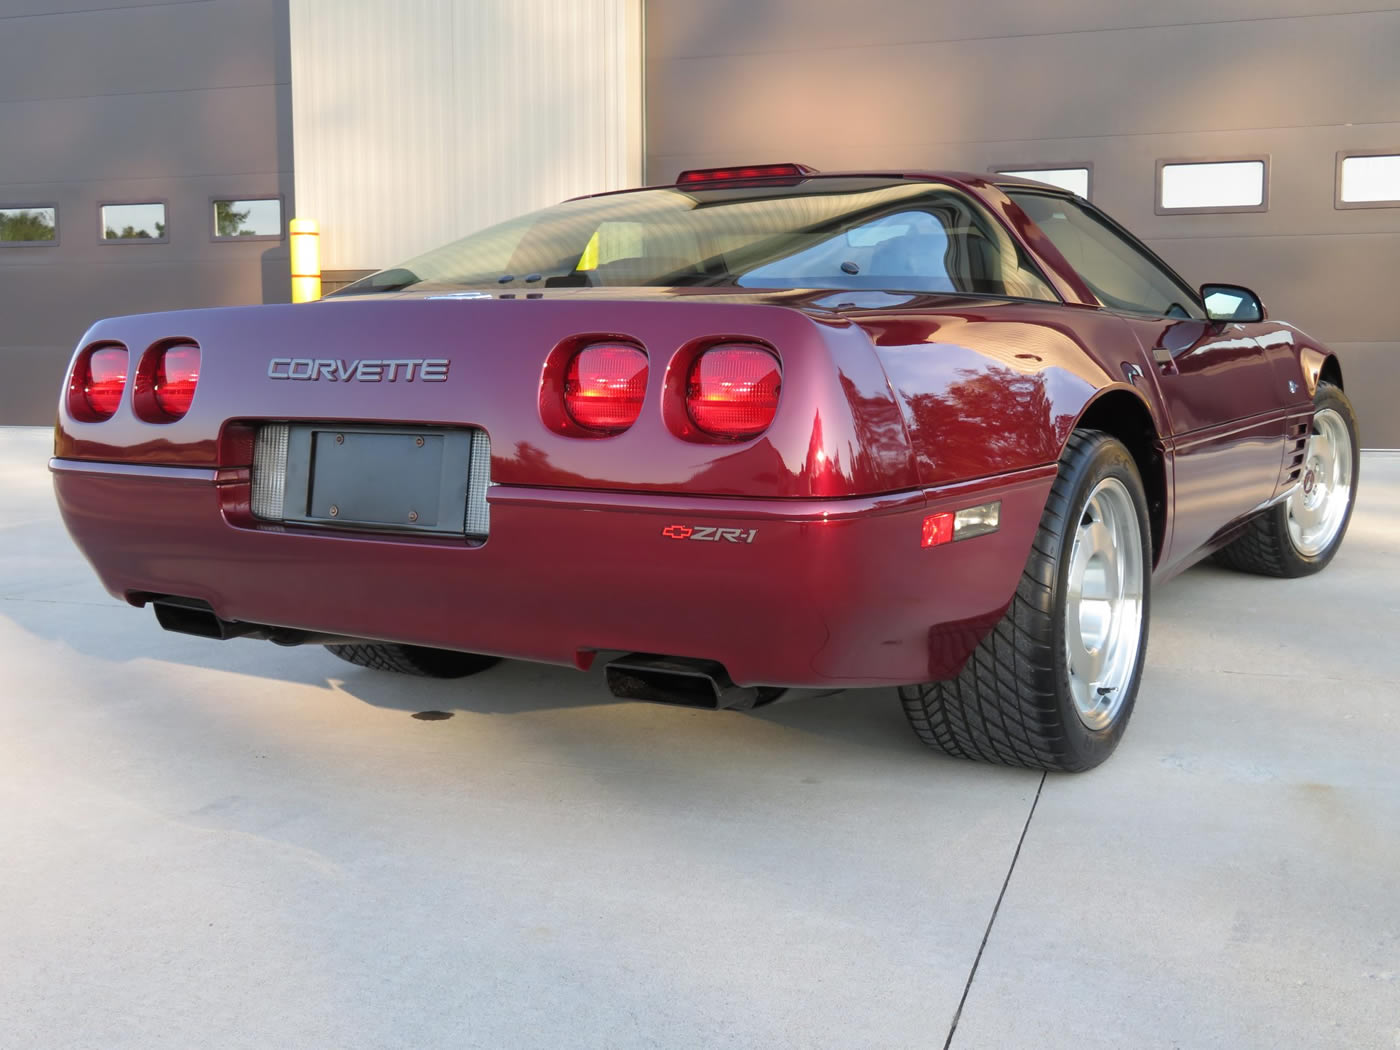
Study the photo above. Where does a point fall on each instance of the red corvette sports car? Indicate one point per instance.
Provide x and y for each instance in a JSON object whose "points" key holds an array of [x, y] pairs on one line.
{"points": [[763, 428]]}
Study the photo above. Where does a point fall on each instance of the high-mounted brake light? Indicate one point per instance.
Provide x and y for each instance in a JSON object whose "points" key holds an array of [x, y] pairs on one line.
{"points": [[102, 377], [732, 391], [744, 173], [605, 386], [176, 376]]}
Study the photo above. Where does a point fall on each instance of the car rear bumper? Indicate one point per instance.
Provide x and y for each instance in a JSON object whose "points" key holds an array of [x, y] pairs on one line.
{"points": [[781, 592]]}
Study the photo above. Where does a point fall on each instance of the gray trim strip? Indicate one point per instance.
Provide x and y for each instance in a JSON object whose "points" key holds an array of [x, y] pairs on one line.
{"points": [[203, 475]]}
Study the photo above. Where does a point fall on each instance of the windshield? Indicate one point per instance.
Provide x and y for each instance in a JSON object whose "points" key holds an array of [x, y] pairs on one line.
{"points": [[860, 233]]}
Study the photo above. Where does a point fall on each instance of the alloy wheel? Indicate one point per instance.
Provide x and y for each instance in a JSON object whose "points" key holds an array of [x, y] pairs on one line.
{"points": [[1318, 507], [1103, 617]]}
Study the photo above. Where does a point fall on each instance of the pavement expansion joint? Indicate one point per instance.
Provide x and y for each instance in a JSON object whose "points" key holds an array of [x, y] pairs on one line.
{"points": [[972, 973]]}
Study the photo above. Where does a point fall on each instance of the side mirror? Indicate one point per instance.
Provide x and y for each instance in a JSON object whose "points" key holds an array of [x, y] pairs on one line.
{"points": [[1230, 302]]}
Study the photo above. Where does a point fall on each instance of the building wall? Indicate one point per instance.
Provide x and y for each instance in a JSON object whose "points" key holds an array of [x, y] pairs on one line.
{"points": [[122, 100], [1114, 83], [451, 116]]}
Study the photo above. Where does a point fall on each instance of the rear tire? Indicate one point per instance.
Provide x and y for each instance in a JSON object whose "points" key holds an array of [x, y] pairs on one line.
{"points": [[1299, 536], [414, 659], [1037, 692]]}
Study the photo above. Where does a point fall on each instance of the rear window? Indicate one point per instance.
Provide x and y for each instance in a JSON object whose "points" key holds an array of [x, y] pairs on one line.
{"points": [[822, 234]]}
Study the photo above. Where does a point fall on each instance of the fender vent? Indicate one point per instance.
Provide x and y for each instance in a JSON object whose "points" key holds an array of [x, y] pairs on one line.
{"points": [[1297, 449]]}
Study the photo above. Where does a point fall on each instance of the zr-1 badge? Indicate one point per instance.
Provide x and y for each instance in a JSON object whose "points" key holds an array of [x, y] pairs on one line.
{"points": [[708, 532]]}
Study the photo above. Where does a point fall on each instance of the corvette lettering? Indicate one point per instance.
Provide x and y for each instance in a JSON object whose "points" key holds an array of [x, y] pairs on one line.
{"points": [[708, 533], [339, 370]]}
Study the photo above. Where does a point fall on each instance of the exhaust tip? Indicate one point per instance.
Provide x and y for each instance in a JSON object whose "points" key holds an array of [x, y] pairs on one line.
{"points": [[196, 617], [683, 682]]}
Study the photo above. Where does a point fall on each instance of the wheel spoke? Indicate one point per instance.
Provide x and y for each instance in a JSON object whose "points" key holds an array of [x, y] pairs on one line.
{"points": [[1093, 671], [1304, 515], [1100, 541], [1078, 565], [1085, 663], [1114, 579], [1320, 446]]}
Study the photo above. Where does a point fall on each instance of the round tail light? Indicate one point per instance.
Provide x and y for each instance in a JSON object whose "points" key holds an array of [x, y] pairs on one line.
{"points": [[605, 386], [177, 374], [103, 379], [733, 391]]}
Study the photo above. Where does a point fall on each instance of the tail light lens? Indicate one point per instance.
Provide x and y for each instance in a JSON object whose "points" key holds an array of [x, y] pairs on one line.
{"points": [[733, 391], [177, 375], [103, 379], [605, 386]]}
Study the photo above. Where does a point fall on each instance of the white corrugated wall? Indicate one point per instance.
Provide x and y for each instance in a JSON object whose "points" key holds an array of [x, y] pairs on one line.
{"points": [[419, 121]]}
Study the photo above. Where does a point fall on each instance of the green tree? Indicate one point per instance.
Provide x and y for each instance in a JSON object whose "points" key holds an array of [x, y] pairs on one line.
{"points": [[227, 222], [27, 226]]}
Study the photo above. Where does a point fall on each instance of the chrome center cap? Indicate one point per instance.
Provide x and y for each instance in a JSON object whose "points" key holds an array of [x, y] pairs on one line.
{"points": [[1309, 480]]}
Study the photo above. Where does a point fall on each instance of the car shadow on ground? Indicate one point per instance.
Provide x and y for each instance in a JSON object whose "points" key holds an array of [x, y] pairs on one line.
{"points": [[859, 717], [110, 633]]}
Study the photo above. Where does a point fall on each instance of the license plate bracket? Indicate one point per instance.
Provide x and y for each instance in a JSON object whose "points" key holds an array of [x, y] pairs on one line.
{"points": [[399, 479]]}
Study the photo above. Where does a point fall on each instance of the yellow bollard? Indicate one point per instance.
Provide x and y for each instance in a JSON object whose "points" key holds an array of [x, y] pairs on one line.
{"points": [[306, 260]]}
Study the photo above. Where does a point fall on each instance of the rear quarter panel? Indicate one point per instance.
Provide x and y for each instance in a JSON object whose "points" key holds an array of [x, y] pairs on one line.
{"points": [[990, 387]]}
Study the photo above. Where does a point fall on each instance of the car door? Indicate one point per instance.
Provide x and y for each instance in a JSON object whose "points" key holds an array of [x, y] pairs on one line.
{"points": [[1214, 379]]}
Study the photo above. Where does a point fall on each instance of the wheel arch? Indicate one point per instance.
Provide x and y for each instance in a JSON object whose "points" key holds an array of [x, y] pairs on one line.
{"points": [[1319, 366], [1124, 415], [1331, 372]]}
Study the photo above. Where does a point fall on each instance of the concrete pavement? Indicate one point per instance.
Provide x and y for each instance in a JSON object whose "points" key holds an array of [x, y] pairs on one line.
{"points": [[236, 845]]}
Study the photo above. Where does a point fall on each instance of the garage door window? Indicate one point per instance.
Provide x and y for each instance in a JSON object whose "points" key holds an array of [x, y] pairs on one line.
{"points": [[1368, 181], [1187, 187], [254, 218], [31, 224], [139, 223]]}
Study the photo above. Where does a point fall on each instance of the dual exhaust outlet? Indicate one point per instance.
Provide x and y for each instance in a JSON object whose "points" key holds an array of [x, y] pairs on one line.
{"points": [[684, 682], [681, 681]]}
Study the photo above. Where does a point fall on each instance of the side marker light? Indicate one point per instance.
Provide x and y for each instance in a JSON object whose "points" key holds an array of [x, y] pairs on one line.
{"points": [[938, 528], [948, 526], [977, 521]]}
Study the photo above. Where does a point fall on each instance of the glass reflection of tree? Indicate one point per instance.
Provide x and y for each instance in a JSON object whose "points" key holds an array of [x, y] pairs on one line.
{"points": [[134, 233], [27, 226], [130, 233], [879, 428], [228, 222], [1001, 416]]}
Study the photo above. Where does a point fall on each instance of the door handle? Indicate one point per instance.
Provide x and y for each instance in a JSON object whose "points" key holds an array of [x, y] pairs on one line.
{"points": [[1161, 355]]}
